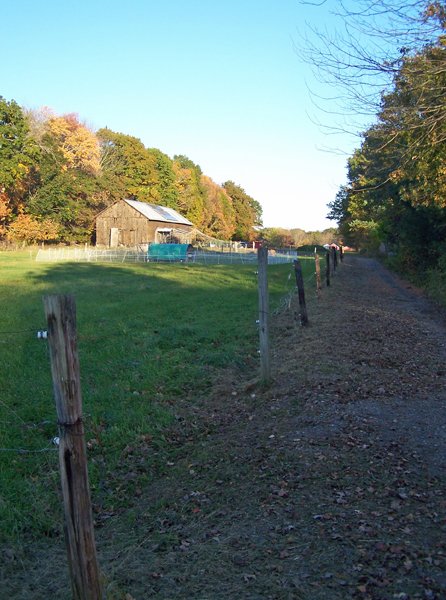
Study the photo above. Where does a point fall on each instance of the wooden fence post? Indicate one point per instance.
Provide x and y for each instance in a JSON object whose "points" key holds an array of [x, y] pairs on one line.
{"points": [[335, 260], [327, 268], [318, 274], [265, 367], [301, 292], [341, 252], [60, 312]]}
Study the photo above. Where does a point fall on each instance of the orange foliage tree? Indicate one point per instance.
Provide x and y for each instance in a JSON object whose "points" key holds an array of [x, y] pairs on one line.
{"points": [[220, 216], [5, 212], [29, 229]]}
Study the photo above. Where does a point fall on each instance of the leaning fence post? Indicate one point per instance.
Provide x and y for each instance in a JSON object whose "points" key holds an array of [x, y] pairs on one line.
{"points": [[318, 274], [327, 268], [265, 368], [301, 292], [60, 312]]}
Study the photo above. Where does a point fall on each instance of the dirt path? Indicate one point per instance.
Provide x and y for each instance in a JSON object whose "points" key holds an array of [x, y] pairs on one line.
{"points": [[329, 485]]}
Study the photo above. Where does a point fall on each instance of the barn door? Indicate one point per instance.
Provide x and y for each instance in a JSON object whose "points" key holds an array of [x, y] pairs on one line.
{"points": [[114, 237]]}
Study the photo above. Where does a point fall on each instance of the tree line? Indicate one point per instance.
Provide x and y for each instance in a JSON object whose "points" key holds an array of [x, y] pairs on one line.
{"points": [[280, 238], [395, 195], [56, 175]]}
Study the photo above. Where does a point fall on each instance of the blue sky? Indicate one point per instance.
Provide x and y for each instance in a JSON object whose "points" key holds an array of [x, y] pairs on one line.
{"points": [[217, 81]]}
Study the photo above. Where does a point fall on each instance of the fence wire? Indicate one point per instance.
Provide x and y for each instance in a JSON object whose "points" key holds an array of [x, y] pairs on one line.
{"points": [[112, 255], [284, 302]]}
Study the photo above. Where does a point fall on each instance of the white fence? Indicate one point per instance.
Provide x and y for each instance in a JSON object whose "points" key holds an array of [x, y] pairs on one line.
{"points": [[89, 254], [224, 258]]}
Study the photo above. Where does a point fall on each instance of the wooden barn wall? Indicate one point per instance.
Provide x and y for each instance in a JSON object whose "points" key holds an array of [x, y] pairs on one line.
{"points": [[133, 227]]}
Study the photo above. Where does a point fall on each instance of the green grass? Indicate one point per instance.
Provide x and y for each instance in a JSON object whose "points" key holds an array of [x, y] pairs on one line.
{"points": [[431, 280], [148, 334], [436, 286]]}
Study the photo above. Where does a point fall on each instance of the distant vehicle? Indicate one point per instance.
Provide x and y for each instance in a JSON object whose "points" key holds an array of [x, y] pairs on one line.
{"points": [[331, 246]]}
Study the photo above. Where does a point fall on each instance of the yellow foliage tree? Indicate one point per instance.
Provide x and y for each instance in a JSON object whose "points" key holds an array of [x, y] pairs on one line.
{"points": [[79, 146], [219, 211], [26, 228], [191, 200]]}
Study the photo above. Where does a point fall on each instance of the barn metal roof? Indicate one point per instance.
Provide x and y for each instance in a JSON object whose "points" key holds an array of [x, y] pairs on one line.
{"points": [[158, 213]]}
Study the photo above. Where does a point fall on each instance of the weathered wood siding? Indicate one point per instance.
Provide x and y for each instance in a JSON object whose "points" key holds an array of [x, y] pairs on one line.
{"points": [[132, 227]]}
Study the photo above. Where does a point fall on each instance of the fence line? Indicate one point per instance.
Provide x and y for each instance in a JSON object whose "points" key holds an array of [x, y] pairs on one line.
{"points": [[90, 255], [97, 255]]}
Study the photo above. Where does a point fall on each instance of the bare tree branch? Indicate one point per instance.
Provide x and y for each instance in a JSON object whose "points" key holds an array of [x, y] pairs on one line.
{"points": [[362, 57]]}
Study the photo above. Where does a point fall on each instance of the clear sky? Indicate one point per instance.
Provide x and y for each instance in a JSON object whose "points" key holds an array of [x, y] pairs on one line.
{"points": [[218, 81]]}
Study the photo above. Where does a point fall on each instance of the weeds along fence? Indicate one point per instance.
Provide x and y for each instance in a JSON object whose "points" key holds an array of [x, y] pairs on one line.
{"points": [[119, 255]]}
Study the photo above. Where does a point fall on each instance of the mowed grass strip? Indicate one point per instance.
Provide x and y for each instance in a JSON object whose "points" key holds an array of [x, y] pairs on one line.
{"points": [[147, 335]]}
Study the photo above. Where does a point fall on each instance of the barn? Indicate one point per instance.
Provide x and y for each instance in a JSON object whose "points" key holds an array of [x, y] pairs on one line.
{"points": [[132, 223]]}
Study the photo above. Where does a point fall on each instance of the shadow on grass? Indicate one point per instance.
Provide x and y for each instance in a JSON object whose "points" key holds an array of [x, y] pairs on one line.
{"points": [[149, 336]]}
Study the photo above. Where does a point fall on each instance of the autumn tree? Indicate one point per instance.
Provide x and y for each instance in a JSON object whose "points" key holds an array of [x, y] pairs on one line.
{"points": [[5, 213], [164, 189], [78, 144], [219, 217], [277, 237], [72, 187], [56, 175], [29, 229], [127, 158], [192, 194], [248, 211]]}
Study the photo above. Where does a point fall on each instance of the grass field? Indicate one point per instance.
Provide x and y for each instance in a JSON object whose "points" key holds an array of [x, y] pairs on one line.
{"points": [[148, 334]]}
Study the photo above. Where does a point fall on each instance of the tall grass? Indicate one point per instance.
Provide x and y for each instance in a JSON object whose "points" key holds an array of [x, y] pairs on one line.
{"points": [[432, 279], [148, 334], [436, 282]]}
